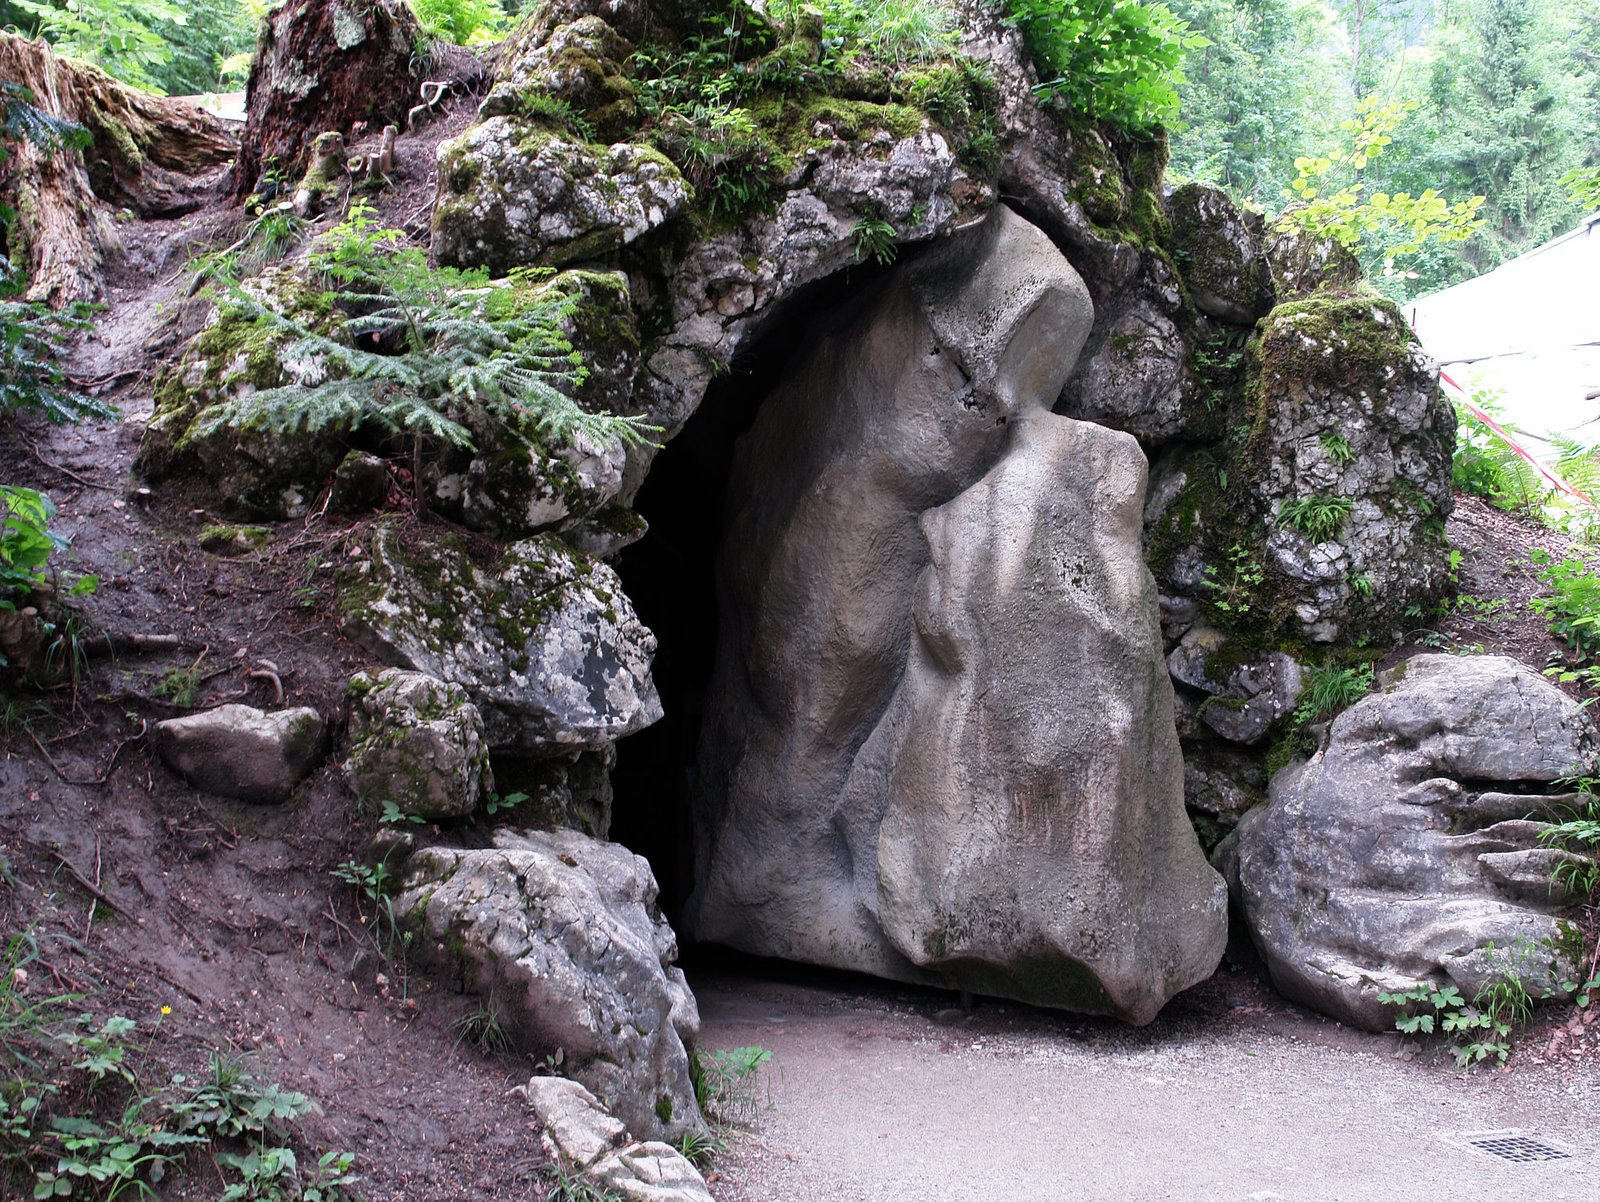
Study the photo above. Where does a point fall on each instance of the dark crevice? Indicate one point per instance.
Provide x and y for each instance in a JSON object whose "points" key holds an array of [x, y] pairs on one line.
{"points": [[670, 575]]}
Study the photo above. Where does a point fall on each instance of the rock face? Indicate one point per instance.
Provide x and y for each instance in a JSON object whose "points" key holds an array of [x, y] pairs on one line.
{"points": [[1403, 851], [942, 745], [417, 742], [563, 932], [239, 751], [511, 195], [545, 644]]}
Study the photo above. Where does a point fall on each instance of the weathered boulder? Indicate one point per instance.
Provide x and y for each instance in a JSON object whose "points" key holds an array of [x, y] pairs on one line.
{"points": [[417, 742], [1243, 697], [922, 558], [360, 483], [1405, 851], [1220, 251], [238, 751], [256, 474], [563, 931], [1302, 263], [578, 64], [1325, 521], [582, 1137], [512, 193], [544, 642]]}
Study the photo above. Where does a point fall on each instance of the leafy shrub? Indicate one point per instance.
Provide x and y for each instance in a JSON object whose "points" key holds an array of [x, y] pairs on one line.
{"points": [[1572, 609], [1485, 465], [1116, 59], [1318, 518], [467, 342], [1329, 197], [78, 1119], [1481, 1028], [26, 542], [464, 22]]}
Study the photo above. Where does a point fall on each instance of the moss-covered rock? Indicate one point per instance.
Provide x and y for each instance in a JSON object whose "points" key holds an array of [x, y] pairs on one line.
{"points": [[254, 474], [1322, 518], [416, 742], [544, 641], [578, 70], [514, 194], [1218, 247]]}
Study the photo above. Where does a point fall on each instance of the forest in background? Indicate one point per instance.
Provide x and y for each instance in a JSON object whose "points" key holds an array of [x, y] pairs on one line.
{"points": [[1279, 101]]}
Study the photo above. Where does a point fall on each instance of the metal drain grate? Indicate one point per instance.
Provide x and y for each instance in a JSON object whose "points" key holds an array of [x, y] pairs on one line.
{"points": [[1520, 1148]]}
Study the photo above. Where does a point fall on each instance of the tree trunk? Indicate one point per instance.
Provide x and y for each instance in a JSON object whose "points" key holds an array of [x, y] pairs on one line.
{"points": [[146, 155], [322, 67]]}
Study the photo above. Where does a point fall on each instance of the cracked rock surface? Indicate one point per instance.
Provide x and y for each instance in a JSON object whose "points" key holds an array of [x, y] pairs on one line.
{"points": [[1406, 851]]}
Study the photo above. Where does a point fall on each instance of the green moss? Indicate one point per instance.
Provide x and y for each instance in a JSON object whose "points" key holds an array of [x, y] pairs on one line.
{"points": [[1333, 338], [224, 539]]}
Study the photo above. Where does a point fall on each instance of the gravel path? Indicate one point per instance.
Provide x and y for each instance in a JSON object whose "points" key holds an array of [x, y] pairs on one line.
{"points": [[879, 1095]]}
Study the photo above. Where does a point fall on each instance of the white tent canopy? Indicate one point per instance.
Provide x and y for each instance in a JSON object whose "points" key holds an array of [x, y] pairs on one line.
{"points": [[1529, 329]]}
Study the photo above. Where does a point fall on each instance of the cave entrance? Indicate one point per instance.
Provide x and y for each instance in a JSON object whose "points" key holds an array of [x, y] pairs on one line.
{"points": [[670, 576]]}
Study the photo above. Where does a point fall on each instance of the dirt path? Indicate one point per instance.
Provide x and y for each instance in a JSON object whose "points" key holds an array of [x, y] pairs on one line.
{"points": [[880, 1095]]}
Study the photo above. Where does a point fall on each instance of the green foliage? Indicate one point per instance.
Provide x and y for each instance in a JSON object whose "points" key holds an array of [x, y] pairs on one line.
{"points": [[893, 32], [179, 685], [875, 240], [1244, 576], [211, 48], [483, 1029], [1331, 197], [563, 1186], [726, 1083], [1572, 608], [1483, 1028], [1578, 834], [1583, 183], [81, 1118], [1266, 86], [1328, 688], [1120, 60], [467, 342], [464, 22], [1337, 445], [26, 542], [123, 38], [1485, 466], [1318, 518]]}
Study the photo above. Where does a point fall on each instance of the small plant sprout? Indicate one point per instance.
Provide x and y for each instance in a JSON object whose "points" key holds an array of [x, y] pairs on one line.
{"points": [[875, 240], [1320, 519]]}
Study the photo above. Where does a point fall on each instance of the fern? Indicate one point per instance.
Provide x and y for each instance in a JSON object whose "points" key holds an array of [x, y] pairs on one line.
{"points": [[468, 345]]}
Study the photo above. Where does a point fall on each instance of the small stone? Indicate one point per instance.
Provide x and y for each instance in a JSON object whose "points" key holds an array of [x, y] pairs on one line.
{"points": [[360, 483], [238, 751]]}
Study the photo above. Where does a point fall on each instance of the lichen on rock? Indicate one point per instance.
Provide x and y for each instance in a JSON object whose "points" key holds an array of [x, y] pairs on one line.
{"points": [[544, 641]]}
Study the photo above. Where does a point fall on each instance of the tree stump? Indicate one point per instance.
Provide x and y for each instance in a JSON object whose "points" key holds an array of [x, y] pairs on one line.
{"points": [[147, 154], [321, 66]]}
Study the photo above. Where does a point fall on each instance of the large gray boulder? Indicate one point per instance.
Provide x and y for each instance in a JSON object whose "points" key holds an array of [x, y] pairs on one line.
{"points": [[941, 744], [544, 642], [563, 932], [1406, 850], [241, 752]]}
